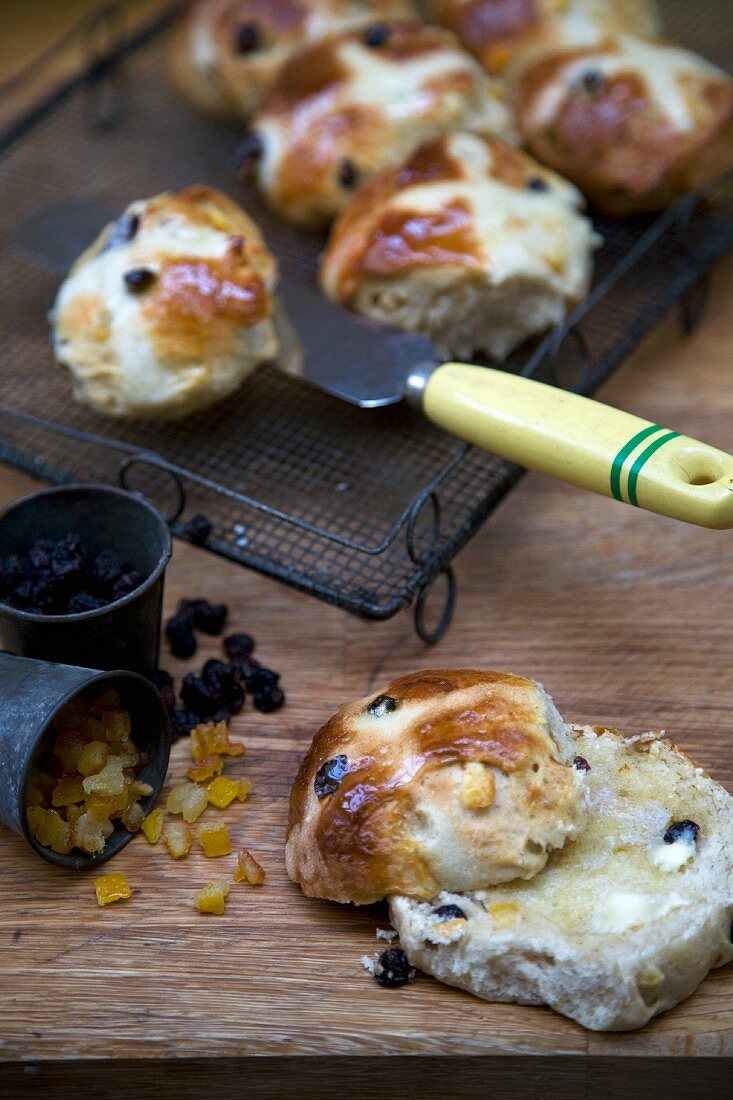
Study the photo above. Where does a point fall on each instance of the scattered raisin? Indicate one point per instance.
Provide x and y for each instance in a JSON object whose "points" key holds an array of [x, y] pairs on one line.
{"points": [[163, 681], [581, 764], [348, 173], [382, 705], [393, 969], [686, 831], [449, 912], [182, 722], [267, 701], [376, 36], [139, 279], [210, 618], [247, 38], [329, 775], [197, 530], [237, 646]]}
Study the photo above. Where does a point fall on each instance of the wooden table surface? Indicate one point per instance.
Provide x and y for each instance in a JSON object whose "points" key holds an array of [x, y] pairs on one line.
{"points": [[626, 619]]}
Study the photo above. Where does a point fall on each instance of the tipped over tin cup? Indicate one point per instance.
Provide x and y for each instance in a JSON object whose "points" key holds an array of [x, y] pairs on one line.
{"points": [[32, 694], [123, 634]]}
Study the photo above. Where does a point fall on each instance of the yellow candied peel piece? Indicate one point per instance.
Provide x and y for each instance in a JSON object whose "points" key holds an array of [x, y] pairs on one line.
{"points": [[209, 766], [222, 792], [248, 869], [244, 789], [152, 826], [187, 799], [68, 791], [111, 888], [50, 829], [478, 786], [212, 738], [110, 781], [214, 839], [212, 898], [92, 758], [68, 748], [178, 839]]}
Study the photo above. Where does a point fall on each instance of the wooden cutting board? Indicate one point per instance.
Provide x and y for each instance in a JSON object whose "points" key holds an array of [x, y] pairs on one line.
{"points": [[625, 617]]}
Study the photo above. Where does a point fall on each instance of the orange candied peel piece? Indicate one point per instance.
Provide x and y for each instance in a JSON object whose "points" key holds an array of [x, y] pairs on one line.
{"points": [[212, 898], [112, 888], [206, 768], [248, 869], [214, 839], [178, 839], [221, 792], [187, 799], [212, 738], [152, 826]]}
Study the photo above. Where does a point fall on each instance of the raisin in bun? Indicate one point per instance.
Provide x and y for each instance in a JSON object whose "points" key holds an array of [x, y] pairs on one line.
{"points": [[635, 124], [170, 308], [624, 922], [469, 241], [506, 34], [224, 54], [446, 780], [352, 103]]}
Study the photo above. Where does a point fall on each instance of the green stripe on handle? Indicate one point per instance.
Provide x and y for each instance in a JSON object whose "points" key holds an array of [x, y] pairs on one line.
{"points": [[618, 462], [642, 460]]}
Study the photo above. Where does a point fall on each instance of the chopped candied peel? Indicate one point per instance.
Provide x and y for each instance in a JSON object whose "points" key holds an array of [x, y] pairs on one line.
{"points": [[187, 799], [206, 768], [244, 789], [84, 777], [212, 738], [478, 786], [152, 826], [214, 839], [248, 869], [503, 914], [212, 898], [111, 888], [222, 792], [178, 839], [447, 931]]}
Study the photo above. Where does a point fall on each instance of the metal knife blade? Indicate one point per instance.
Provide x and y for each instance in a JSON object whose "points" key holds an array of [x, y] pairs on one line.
{"points": [[350, 357]]}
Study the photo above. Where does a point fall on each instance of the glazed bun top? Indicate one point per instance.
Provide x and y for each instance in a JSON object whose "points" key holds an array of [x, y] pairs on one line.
{"points": [[445, 780]]}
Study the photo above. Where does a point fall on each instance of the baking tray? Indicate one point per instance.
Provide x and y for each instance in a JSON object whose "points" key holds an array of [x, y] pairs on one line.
{"points": [[363, 509]]}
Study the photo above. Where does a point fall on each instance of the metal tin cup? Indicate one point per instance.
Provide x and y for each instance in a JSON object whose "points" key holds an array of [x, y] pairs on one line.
{"points": [[31, 695], [124, 634]]}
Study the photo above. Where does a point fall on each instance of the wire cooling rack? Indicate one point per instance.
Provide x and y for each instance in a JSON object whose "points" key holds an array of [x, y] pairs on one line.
{"points": [[361, 508]]}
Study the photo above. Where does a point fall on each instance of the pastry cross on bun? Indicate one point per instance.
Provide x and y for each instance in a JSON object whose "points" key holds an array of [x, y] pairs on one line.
{"points": [[169, 309], [469, 241], [506, 34], [225, 54], [350, 104], [634, 124], [445, 780]]}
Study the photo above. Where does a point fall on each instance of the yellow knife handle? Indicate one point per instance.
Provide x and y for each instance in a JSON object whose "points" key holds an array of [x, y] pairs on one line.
{"points": [[583, 442]]}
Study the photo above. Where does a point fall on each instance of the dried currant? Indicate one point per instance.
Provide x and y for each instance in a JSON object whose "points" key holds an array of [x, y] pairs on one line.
{"points": [[123, 230], [238, 646], [686, 831], [329, 775], [248, 150], [449, 912], [393, 969], [348, 173], [581, 764], [267, 701], [247, 38], [139, 279], [537, 183], [383, 704], [592, 81], [376, 36]]}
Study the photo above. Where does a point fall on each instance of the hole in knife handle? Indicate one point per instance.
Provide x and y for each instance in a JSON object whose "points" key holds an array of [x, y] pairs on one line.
{"points": [[700, 467]]}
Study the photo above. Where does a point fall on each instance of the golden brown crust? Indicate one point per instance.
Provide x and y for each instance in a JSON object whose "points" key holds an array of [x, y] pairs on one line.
{"points": [[364, 839], [614, 138]]}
